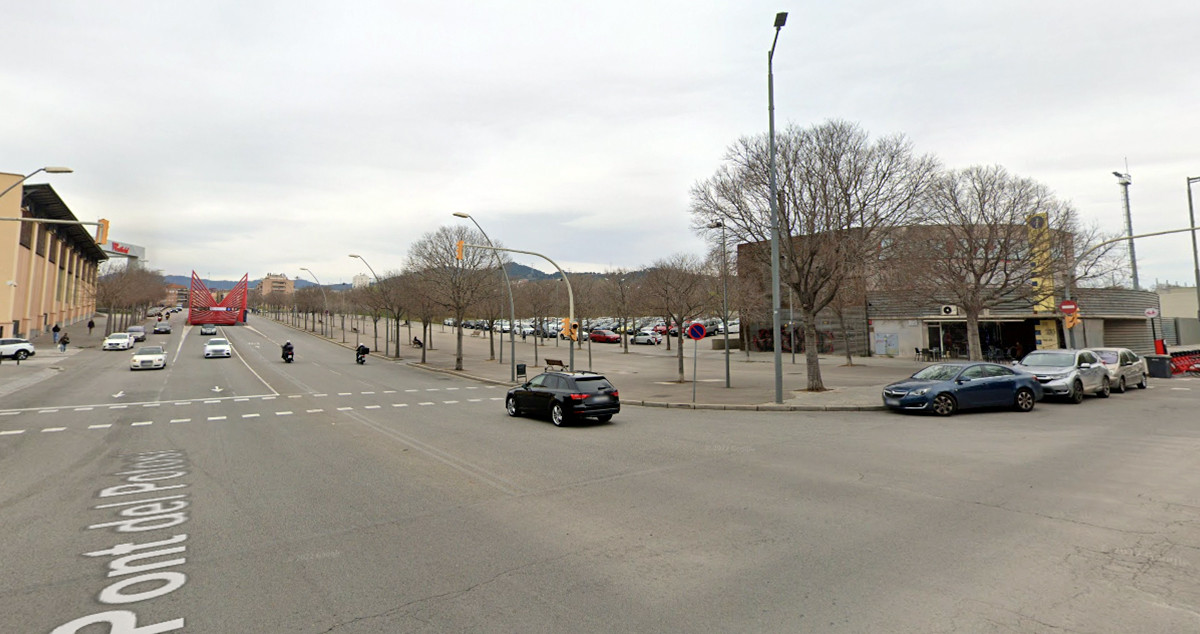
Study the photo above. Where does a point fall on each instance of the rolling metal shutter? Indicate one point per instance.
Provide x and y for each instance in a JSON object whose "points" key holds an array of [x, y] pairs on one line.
{"points": [[1129, 333]]}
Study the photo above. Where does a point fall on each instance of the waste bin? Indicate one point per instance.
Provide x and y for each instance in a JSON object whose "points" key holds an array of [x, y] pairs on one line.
{"points": [[1159, 365]]}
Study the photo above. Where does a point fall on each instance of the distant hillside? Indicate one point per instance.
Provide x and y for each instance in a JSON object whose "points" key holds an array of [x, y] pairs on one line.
{"points": [[224, 285]]}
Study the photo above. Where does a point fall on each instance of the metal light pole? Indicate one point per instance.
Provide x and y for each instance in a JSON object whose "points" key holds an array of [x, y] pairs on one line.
{"points": [[1195, 254], [724, 293], [360, 326], [780, 20], [512, 307], [1123, 180], [48, 170], [324, 299]]}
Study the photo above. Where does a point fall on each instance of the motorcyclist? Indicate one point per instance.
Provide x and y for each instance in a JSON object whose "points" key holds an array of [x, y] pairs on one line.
{"points": [[361, 351], [288, 349]]}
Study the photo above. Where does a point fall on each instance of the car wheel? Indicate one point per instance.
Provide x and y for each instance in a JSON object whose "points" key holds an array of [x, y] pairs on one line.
{"points": [[604, 418], [1121, 385], [1105, 388], [1024, 400], [944, 405], [21, 355], [511, 406], [1076, 394], [557, 416], [1142, 384]]}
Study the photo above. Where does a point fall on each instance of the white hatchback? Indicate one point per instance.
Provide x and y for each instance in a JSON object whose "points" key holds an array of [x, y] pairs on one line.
{"points": [[117, 341]]}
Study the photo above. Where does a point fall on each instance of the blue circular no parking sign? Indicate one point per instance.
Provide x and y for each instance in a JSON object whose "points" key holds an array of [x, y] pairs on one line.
{"points": [[697, 331]]}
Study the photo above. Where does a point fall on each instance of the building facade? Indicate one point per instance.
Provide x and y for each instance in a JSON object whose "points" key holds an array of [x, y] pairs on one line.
{"points": [[360, 281], [276, 283], [48, 272]]}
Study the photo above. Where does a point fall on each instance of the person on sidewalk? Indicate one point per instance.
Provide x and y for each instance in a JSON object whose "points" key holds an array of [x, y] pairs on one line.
{"points": [[55, 330], [91, 324], [63, 341]]}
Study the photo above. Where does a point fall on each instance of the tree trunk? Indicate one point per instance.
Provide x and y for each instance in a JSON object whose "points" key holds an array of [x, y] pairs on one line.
{"points": [[375, 323], [845, 336], [679, 354], [426, 331], [811, 344], [492, 340], [974, 351], [398, 338], [458, 364]]}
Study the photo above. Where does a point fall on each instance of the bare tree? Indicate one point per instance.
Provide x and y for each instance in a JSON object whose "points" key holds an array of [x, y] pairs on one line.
{"points": [[838, 191], [617, 294], [680, 290], [988, 238], [455, 285]]}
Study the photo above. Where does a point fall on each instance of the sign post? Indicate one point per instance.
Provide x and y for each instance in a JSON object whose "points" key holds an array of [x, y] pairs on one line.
{"points": [[1151, 313], [696, 331]]}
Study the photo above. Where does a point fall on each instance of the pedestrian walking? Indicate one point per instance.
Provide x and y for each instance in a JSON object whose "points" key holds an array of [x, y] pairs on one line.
{"points": [[91, 324], [55, 330], [63, 341]]}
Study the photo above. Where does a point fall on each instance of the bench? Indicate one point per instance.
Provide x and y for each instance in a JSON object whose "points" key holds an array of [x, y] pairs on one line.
{"points": [[476, 333], [555, 362]]}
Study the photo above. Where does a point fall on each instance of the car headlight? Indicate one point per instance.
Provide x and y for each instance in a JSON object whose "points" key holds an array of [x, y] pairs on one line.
{"points": [[920, 392]]}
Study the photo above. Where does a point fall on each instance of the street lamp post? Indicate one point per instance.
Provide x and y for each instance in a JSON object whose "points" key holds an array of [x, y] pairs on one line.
{"points": [[1195, 253], [780, 20], [512, 307], [372, 270], [724, 293], [324, 299], [48, 170], [1124, 181]]}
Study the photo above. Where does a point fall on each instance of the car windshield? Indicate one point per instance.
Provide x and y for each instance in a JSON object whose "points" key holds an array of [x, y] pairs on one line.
{"points": [[1108, 356], [150, 350], [593, 384], [218, 342], [939, 372], [1049, 359]]}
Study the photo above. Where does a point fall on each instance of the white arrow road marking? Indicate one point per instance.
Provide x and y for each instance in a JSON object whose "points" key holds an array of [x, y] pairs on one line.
{"points": [[217, 388], [119, 394]]}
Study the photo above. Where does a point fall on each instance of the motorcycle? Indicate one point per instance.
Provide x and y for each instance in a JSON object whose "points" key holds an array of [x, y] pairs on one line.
{"points": [[288, 355], [360, 356]]}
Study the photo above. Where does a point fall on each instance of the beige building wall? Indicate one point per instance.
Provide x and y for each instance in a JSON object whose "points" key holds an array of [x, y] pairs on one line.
{"points": [[46, 277], [276, 283], [1178, 301]]}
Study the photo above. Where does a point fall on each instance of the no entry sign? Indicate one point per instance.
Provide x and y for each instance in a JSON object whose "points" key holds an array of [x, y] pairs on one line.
{"points": [[1068, 307]]}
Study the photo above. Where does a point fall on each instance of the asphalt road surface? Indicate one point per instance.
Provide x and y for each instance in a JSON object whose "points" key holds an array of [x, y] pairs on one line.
{"points": [[246, 495]]}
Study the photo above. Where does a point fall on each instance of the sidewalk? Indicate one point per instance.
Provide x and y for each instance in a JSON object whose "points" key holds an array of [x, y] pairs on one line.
{"points": [[649, 375]]}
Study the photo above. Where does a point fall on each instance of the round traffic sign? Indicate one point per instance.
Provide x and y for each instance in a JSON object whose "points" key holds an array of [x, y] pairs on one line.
{"points": [[697, 331], [1151, 313], [1067, 307]]}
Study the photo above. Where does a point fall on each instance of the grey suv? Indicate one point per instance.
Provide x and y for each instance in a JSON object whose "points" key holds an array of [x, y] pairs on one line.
{"points": [[1068, 373]]}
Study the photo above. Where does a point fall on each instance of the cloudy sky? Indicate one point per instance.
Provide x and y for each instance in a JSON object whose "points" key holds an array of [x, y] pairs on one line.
{"points": [[253, 137]]}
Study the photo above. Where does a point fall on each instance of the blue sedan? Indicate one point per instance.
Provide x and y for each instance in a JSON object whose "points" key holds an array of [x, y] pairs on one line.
{"points": [[944, 388]]}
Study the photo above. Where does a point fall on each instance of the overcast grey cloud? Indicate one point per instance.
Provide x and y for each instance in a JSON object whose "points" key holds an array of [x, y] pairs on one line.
{"points": [[235, 137]]}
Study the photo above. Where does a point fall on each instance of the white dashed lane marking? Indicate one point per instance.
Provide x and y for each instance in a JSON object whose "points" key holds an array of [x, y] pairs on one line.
{"points": [[217, 418], [100, 426], [426, 403], [313, 411], [371, 407], [287, 413], [47, 411], [140, 423], [80, 409], [12, 432], [345, 393], [180, 420], [343, 409], [449, 402], [50, 429], [399, 404], [249, 415]]}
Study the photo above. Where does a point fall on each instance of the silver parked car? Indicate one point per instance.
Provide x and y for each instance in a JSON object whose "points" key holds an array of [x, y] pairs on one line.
{"points": [[1125, 367], [1068, 373]]}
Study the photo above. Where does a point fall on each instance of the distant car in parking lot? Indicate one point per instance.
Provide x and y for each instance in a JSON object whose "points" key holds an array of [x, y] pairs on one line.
{"points": [[1124, 366], [565, 396], [16, 348], [117, 341], [647, 337], [208, 329], [605, 336], [944, 388], [137, 332], [217, 348], [1068, 373], [148, 358]]}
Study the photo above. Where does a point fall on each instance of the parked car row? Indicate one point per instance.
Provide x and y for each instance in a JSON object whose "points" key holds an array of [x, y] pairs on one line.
{"points": [[944, 388]]}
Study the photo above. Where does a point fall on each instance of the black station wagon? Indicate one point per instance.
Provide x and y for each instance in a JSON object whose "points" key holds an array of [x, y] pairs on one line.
{"points": [[565, 396]]}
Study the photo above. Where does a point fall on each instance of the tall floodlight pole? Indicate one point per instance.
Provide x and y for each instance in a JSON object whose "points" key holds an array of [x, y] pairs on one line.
{"points": [[1124, 181], [1195, 253], [324, 299], [780, 20], [512, 307], [724, 293]]}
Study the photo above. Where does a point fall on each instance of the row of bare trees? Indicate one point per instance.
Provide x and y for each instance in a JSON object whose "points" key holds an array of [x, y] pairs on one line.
{"points": [[868, 214], [126, 292]]}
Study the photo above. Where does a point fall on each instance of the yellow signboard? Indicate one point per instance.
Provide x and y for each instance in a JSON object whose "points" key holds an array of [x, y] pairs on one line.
{"points": [[1039, 257]]}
